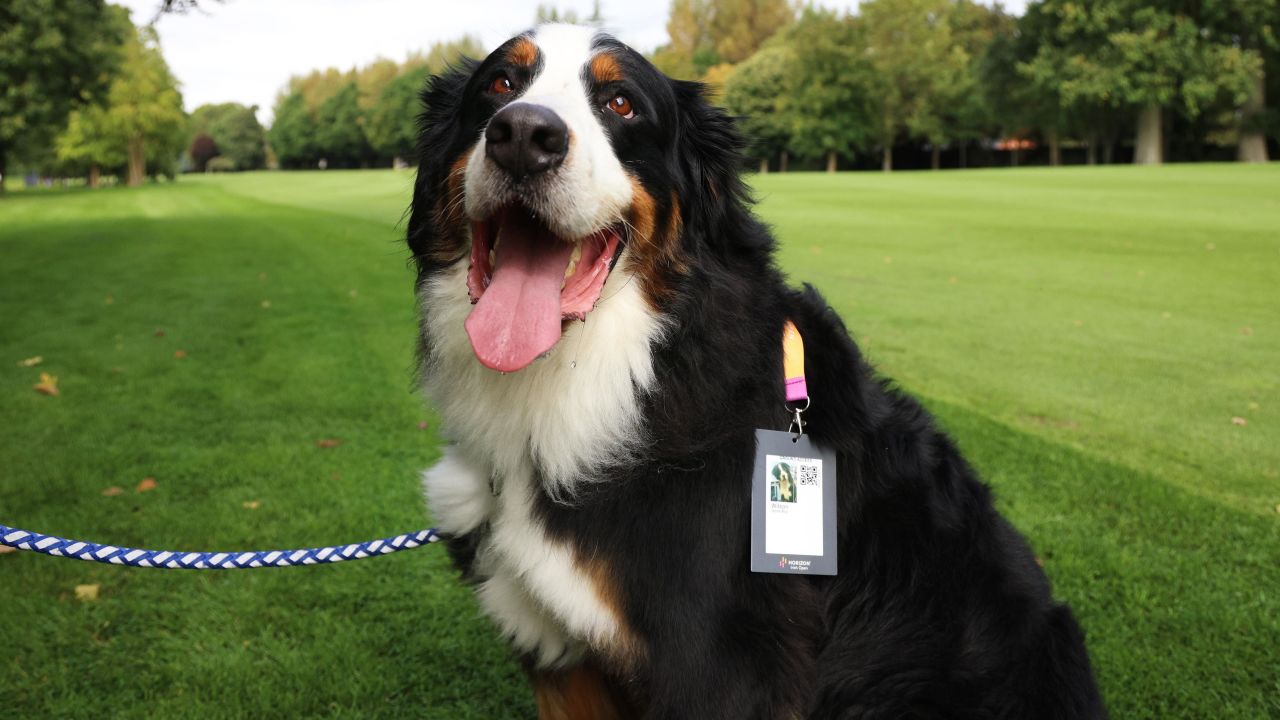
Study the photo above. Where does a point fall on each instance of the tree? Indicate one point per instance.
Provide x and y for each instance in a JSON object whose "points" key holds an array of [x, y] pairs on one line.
{"points": [[141, 116], [293, 132], [914, 67], [707, 33], [549, 13], [89, 145], [391, 125], [739, 27], [756, 92], [1254, 25], [391, 122], [144, 106], [828, 87], [235, 130], [339, 136], [978, 29], [55, 56], [1141, 57], [203, 149], [692, 49]]}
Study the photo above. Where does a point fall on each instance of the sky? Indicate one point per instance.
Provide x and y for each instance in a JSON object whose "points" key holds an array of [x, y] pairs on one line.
{"points": [[245, 50]]}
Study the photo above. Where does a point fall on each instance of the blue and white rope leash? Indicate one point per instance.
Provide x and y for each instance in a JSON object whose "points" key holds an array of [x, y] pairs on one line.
{"points": [[176, 560]]}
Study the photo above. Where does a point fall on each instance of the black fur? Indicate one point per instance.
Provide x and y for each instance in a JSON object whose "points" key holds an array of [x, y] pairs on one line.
{"points": [[939, 609]]}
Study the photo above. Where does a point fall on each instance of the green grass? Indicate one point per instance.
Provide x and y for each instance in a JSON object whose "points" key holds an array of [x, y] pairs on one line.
{"points": [[1080, 331]]}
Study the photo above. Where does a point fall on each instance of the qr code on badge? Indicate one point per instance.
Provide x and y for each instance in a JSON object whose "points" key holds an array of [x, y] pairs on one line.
{"points": [[809, 474]]}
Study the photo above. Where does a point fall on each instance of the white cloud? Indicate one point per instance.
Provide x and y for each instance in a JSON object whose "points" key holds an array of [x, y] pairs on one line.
{"points": [[246, 50]]}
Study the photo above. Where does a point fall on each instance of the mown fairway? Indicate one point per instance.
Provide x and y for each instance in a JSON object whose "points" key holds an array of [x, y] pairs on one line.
{"points": [[1094, 338]]}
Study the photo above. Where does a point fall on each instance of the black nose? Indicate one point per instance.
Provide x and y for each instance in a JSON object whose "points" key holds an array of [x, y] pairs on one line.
{"points": [[526, 139]]}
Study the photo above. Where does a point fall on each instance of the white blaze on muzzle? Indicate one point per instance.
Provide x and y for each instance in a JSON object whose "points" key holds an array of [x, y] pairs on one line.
{"points": [[589, 190]]}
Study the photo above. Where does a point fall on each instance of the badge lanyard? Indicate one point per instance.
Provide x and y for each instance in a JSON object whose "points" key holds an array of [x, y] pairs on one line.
{"points": [[793, 506], [797, 390]]}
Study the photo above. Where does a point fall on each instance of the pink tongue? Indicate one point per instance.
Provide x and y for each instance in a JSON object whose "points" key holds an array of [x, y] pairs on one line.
{"points": [[518, 316]]}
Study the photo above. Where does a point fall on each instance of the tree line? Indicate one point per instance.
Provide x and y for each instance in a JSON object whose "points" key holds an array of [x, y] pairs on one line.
{"points": [[1104, 79], [896, 83], [364, 117]]}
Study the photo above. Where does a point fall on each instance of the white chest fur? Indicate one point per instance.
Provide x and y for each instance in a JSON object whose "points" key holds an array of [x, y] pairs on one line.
{"points": [[566, 415]]}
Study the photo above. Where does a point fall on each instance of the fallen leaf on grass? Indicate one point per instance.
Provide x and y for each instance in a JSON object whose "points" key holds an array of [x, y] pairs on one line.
{"points": [[251, 504], [31, 361], [1078, 323], [113, 491], [147, 485], [352, 292], [110, 300], [179, 354], [1237, 420], [423, 425], [159, 332], [328, 443], [87, 593], [1209, 246], [953, 280], [1246, 331], [48, 384], [266, 304]]}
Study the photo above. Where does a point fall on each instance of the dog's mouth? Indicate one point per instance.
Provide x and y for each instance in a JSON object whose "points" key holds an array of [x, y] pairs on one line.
{"points": [[525, 281]]}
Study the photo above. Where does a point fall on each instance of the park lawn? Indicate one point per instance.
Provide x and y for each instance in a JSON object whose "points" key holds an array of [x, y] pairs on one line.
{"points": [[1088, 336]]}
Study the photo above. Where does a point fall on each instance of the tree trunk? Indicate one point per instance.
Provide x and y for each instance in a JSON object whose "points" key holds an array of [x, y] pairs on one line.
{"points": [[1109, 151], [935, 158], [95, 176], [964, 155], [886, 161], [1253, 141], [1055, 147], [1149, 146], [831, 162], [782, 164], [1091, 149], [137, 162], [764, 166]]}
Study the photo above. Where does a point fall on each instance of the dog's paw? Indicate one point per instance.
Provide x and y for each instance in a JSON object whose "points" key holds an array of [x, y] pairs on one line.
{"points": [[458, 494]]}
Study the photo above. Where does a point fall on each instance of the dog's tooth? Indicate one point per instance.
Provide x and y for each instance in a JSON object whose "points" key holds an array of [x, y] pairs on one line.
{"points": [[571, 269], [577, 254], [493, 258]]}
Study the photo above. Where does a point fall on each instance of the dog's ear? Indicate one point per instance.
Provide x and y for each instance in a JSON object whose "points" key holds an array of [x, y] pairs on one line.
{"points": [[441, 138], [710, 154]]}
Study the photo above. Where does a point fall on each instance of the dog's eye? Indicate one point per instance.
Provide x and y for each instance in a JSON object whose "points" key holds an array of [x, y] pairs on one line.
{"points": [[501, 85], [622, 106]]}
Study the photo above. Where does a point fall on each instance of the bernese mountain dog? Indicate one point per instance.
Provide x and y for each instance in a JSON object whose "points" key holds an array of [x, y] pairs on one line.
{"points": [[601, 323]]}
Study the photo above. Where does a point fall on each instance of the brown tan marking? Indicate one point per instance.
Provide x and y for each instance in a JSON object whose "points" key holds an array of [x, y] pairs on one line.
{"points": [[449, 219], [579, 693], [605, 68], [655, 254], [624, 651], [523, 52]]}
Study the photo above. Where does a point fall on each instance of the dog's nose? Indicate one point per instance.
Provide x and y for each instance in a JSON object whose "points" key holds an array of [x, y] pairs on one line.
{"points": [[526, 139]]}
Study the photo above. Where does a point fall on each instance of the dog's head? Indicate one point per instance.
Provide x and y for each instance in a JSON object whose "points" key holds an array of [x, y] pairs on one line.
{"points": [[560, 159]]}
